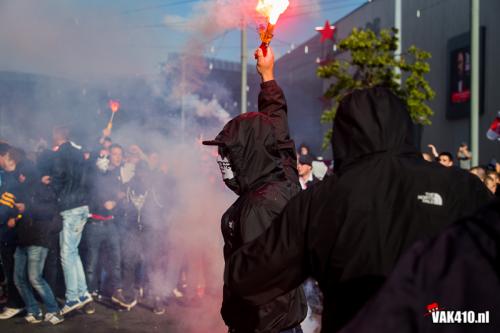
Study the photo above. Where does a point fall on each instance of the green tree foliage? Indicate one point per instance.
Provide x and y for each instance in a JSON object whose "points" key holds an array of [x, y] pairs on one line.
{"points": [[372, 61]]}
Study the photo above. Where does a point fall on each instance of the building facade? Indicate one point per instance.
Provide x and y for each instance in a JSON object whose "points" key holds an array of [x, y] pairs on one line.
{"points": [[441, 27]]}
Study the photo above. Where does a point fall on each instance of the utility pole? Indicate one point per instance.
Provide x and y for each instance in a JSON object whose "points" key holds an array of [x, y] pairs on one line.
{"points": [[244, 60], [183, 92], [475, 70], [398, 25]]}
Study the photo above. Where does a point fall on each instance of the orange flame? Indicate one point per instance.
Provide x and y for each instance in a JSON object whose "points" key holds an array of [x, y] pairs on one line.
{"points": [[272, 9], [114, 105]]}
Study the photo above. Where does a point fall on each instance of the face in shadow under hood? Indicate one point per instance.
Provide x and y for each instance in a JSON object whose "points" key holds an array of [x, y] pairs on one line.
{"points": [[371, 121], [249, 143]]}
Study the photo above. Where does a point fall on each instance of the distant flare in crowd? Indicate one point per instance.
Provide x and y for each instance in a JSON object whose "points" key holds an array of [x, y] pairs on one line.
{"points": [[114, 106], [494, 131]]}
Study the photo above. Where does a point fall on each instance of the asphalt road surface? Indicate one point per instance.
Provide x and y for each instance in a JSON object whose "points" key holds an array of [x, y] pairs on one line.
{"points": [[200, 318]]}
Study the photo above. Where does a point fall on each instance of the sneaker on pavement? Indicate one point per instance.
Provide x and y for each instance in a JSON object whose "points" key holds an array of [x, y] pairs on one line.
{"points": [[70, 306], [85, 299], [8, 313], [177, 293], [96, 296], [89, 308], [34, 318], [159, 307], [53, 318], [120, 299]]}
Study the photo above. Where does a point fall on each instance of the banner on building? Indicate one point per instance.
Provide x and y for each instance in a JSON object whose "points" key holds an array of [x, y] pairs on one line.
{"points": [[459, 76]]}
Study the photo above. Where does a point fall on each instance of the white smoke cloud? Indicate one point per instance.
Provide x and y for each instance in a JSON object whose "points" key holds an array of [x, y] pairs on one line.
{"points": [[206, 108], [95, 45]]}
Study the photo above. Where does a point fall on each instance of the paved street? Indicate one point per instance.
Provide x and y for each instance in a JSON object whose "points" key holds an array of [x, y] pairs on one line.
{"points": [[203, 318]]}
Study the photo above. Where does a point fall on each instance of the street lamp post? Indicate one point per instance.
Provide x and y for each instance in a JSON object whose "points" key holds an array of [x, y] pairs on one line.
{"points": [[475, 70]]}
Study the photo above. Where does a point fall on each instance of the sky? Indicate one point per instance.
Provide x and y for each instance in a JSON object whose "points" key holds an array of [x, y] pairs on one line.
{"points": [[295, 26], [89, 38]]}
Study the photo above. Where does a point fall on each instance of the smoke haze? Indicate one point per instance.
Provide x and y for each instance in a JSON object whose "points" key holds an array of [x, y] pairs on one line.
{"points": [[61, 61]]}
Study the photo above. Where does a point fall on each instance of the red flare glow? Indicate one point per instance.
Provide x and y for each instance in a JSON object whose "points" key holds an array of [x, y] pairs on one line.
{"points": [[272, 9], [114, 105]]}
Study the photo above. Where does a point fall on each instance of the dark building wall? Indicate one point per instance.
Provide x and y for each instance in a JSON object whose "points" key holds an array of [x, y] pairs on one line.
{"points": [[439, 21], [303, 91]]}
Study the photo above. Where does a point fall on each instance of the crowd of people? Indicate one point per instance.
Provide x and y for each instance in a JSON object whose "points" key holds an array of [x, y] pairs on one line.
{"points": [[95, 219], [488, 173], [296, 217]]}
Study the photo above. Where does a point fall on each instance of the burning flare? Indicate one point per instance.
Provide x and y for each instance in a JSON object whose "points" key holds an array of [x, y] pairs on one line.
{"points": [[272, 9], [114, 106]]}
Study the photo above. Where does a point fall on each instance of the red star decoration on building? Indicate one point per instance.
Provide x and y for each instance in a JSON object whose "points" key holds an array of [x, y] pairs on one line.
{"points": [[327, 31]]}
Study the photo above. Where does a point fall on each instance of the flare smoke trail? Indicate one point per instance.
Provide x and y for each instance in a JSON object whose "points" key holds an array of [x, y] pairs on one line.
{"points": [[63, 61], [78, 57]]}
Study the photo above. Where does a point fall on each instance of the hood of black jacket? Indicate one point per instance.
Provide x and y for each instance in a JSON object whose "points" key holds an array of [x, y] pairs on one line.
{"points": [[250, 144], [371, 121]]}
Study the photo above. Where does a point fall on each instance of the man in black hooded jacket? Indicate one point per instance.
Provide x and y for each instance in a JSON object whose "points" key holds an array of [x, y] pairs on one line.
{"points": [[457, 271], [257, 161], [348, 231]]}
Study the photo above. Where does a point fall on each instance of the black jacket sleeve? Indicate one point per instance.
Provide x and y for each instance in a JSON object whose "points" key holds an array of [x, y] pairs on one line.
{"points": [[272, 103], [274, 263]]}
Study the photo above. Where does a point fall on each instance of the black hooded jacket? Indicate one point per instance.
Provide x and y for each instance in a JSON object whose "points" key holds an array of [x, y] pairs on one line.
{"points": [[105, 186], [9, 183], [40, 224], [457, 271], [70, 176], [349, 230], [263, 171]]}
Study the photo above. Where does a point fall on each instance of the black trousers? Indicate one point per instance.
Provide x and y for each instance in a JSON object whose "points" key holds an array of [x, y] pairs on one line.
{"points": [[52, 271], [2, 275], [14, 300]]}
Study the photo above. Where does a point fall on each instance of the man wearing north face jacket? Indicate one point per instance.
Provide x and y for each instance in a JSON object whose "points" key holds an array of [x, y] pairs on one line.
{"points": [[454, 274], [348, 231], [256, 158]]}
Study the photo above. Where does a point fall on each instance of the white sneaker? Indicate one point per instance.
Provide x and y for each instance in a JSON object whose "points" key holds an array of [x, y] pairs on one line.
{"points": [[70, 306], [53, 318], [85, 299], [177, 293], [8, 313], [34, 319]]}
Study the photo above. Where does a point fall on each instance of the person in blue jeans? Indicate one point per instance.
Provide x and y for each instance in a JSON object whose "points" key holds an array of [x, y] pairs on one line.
{"points": [[105, 196], [9, 159], [69, 180], [29, 263], [37, 226]]}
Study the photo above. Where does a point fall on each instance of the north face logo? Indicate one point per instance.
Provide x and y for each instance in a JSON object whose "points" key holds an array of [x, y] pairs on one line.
{"points": [[431, 198]]}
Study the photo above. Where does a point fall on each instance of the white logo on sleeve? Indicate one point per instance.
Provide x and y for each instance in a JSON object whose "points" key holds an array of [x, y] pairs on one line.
{"points": [[431, 198]]}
